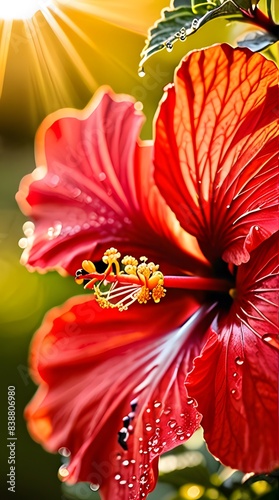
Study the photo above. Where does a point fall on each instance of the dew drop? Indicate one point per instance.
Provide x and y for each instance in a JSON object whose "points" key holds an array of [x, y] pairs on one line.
{"points": [[76, 192], [157, 404], [157, 421], [63, 473], [53, 180], [172, 423], [117, 477], [28, 228], [94, 487], [141, 72], [167, 411], [169, 46], [148, 427], [233, 391], [130, 485], [64, 452], [143, 479], [234, 374], [148, 410], [102, 176], [190, 401], [179, 430], [138, 106], [133, 461], [125, 463], [123, 481], [239, 361], [23, 243], [118, 456], [271, 339], [195, 24]]}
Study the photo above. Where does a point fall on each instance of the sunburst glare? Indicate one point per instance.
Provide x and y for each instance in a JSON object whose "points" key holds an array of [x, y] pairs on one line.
{"points": [[50, 52], [17, 9]]}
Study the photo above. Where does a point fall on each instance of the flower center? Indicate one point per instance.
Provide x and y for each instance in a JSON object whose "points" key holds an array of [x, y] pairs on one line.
{"points": [[129, 280]]}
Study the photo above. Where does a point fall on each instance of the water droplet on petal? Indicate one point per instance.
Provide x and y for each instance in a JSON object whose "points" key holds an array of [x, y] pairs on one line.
{"points": [[148, 410], [143, 479], [123, 481], [94, 487], [28, 228], [53, 180], [148, 427], [157, 404], [138, 106], [64, 452], [76, 192], [179, 430], [195, 24], [190, 401], [117, 477], [23, 243], [167, 411], [125, 463], [233, 391], [239, 361], [234, 374], [102, 176], [271, 339], [63, 473], [169, 46], [172, 423], [130, 485]]}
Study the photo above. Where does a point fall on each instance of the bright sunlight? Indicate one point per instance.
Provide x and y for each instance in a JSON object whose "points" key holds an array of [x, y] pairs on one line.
{"points": [[18, 9]]}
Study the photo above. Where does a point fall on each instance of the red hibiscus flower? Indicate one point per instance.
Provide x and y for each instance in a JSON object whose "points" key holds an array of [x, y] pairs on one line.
{"points": [[112, 381]]}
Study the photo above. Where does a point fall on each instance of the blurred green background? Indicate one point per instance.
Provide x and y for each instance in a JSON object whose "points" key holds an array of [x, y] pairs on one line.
{"points": [[36, 81]]}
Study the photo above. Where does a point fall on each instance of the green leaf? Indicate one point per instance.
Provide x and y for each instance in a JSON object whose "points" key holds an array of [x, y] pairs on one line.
{"points": [[183, 19], [257, 40]]}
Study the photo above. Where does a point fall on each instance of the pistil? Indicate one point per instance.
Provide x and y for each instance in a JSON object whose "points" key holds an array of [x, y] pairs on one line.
{"points": [[122, 284]]}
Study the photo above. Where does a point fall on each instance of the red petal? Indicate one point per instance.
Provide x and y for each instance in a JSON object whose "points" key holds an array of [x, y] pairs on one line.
{"points": [[235, 380], [216, 149], [91, 364], [97, 189]]}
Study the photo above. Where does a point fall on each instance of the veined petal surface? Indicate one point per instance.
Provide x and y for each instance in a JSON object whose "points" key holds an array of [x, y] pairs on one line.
{"points": [[94, 187], [216, 150], [91, 364], [235, 379]]}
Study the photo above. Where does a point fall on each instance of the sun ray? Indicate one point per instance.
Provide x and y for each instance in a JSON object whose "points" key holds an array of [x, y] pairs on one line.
{"points": [[4, 50], [69, 47]]}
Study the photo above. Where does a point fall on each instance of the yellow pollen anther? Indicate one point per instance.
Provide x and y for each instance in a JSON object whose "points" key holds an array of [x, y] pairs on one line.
{"points": [[119, 286], [143, 295], [128, 260], [158, 293], [88, 266]]}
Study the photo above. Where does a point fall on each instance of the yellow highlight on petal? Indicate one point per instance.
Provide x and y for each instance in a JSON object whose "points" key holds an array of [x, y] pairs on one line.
{"points": [[68, 317], [40, 428]]}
